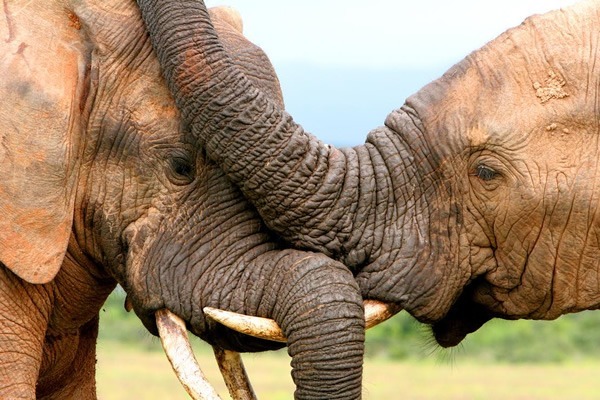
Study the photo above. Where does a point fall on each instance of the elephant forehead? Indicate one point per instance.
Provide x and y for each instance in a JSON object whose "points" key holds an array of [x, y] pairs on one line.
{"points": [[524, 81]]}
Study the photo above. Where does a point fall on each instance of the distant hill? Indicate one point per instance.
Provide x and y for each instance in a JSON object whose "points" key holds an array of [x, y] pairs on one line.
{"points": [[341, 106]]}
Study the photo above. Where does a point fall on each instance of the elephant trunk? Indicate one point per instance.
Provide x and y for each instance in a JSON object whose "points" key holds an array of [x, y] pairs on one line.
{"points": [[334, 201], [317, 304], [320, 311]]}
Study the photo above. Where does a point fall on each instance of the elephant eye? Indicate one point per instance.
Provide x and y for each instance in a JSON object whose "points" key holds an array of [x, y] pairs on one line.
{"points": [[182, 170], [485, 173]]}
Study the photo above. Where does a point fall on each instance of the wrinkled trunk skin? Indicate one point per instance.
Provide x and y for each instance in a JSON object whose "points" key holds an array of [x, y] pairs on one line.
{"points": [[368, 206], [317, 304], [217, 253]]}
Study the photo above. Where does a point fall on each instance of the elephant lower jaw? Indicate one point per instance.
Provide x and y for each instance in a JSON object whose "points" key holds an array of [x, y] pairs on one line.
{"points": [[463, 318]]}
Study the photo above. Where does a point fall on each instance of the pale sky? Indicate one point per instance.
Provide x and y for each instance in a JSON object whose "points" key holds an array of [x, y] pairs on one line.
{"points": [[379, 33], [344, 65]]}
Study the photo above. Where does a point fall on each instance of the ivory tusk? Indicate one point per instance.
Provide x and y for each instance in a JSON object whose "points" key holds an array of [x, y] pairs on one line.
{"points": [[128, 304], [175, 342], [234, 374], [264, 328], [377, 311]]}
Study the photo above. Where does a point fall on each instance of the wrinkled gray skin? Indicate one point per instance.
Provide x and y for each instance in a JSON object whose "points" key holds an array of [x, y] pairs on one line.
{"points": [[478, 197], [100, 184]]}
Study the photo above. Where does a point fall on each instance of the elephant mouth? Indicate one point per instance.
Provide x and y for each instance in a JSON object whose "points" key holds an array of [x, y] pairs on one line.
{"points": [[464, 317]]}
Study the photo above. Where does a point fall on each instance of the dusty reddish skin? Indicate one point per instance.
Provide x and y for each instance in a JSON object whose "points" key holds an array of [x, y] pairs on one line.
{"points": [[49, 300]]}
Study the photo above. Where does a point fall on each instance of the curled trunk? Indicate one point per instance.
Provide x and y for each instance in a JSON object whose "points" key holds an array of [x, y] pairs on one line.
{"points": [[331, 200], [227, 260], [317, 304], [320, 312], [314, 300]]}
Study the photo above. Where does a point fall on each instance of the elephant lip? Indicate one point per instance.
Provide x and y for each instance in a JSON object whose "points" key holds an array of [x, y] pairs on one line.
{"points": [[464, 317]]}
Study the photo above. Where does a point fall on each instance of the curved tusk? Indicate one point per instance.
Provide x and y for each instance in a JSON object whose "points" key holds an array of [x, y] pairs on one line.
{"points": [[376, 312], [176, 344], [234, 374], [262, 328]]}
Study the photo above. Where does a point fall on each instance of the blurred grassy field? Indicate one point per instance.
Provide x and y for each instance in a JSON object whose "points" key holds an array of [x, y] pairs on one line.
{"points": [[508, 360], [141, 371]]}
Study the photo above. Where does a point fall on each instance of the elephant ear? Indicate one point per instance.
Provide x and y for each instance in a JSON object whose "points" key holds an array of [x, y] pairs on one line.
{"points": [[228, 15], [248, 57], [41, 88]]}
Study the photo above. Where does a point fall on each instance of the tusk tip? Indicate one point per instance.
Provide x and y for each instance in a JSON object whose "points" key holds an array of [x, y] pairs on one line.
{"points": [[128, 304], [377, 312], [176, 345], [262, 328]]}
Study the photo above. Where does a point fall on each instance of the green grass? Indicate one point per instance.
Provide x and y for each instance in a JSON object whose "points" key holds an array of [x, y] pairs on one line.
{"points": [[141, 371]]}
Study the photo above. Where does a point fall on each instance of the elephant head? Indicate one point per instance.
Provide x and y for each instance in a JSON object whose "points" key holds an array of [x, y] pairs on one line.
{"points": [[476, 199], [101, 183]]}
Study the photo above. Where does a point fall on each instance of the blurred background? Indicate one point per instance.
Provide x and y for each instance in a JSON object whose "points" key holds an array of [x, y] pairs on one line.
{"points": [[343, 66]]}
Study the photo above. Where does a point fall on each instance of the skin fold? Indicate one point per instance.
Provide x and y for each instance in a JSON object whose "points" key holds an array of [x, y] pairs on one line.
{"points": [[103, 184], [476, 199]]}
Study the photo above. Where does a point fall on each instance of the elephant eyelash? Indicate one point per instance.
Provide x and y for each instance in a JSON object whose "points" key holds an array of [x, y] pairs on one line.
{"points": [[485, 173]]}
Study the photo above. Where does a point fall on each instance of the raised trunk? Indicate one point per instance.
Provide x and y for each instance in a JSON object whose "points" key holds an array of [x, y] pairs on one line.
{"points": [[314, 195]]}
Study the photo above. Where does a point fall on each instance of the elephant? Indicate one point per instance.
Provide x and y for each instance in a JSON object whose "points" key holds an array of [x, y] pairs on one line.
{"points": [[102, 184], [476, 199]]}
